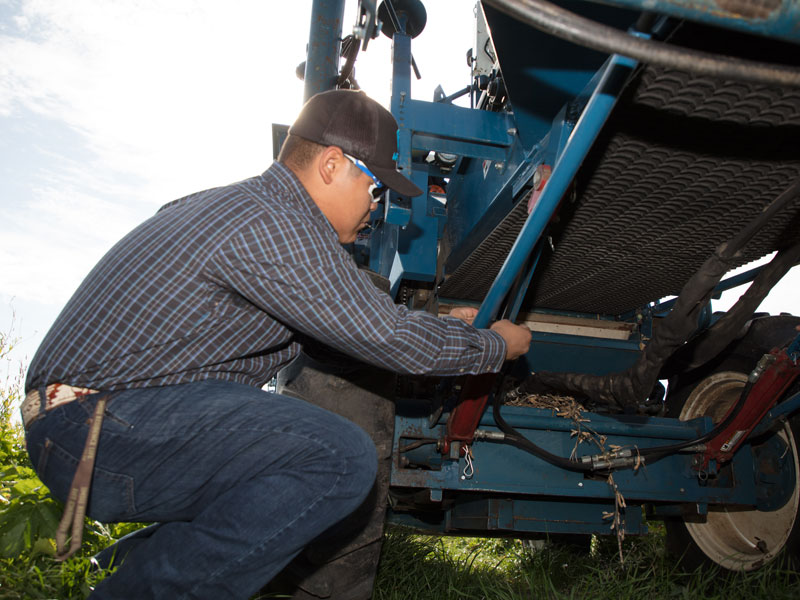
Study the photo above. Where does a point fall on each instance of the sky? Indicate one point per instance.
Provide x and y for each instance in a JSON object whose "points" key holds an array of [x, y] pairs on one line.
{"points": [[109, 109]]}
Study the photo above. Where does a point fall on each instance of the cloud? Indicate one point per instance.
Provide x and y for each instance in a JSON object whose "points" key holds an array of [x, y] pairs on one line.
{"points": [[110, 109], [153, 85]]}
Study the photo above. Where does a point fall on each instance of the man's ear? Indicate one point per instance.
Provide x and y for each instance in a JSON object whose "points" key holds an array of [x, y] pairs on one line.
{"points": [[330, 162]]}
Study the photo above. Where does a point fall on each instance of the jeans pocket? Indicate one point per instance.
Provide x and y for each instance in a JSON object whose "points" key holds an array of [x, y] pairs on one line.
{"points": [[111, 497]]}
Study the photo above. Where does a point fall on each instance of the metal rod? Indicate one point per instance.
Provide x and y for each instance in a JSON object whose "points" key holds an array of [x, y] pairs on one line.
{"points": [[523, 288], [722, 286], [594, 116], [324, 41], [782, 411]]}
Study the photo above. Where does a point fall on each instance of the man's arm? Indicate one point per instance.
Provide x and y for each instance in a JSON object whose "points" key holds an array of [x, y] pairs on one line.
{"points": [[317, 290]]}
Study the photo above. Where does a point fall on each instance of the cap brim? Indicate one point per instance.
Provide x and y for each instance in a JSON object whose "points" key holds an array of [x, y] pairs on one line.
{"points": [[395, 180]]}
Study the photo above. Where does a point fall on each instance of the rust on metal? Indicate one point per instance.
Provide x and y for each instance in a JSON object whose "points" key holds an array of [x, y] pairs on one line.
{"points": [[750, 9]]}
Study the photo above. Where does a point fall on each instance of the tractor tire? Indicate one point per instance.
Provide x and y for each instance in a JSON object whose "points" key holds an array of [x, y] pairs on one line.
{"points": [[342, 562], [733, 538]]}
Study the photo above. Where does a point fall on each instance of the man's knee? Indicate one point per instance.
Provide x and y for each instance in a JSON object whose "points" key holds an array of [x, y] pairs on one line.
{"points": [[362, 460]]}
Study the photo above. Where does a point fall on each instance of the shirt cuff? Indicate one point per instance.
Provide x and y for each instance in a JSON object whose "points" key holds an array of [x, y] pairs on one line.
{"points": [[494, 352]]}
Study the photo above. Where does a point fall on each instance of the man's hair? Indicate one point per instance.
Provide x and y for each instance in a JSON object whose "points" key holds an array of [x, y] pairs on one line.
{"points": [[299, 152]]}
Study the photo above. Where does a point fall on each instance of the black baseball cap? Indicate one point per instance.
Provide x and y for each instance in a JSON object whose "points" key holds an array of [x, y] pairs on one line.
{"points": [[359, 126]]}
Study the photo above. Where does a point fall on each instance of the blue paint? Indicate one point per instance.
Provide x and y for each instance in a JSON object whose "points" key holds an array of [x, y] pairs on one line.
{"points": [[594, 116], [560, 97], [322, 61], [779, 21]]}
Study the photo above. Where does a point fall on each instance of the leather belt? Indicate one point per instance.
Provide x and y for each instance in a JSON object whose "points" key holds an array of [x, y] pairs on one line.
{"points": [[56, 394], [72, 521]]}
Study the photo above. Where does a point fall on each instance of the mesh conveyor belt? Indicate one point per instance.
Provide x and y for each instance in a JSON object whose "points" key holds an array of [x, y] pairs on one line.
{"points": [[681, 165]]}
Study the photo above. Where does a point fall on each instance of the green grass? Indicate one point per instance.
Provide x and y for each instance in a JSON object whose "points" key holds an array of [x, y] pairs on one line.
{"points": [[427, 568]]}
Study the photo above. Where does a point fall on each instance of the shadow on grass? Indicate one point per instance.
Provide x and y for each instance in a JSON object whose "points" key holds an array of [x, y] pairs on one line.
{"points": [[427, 568]]}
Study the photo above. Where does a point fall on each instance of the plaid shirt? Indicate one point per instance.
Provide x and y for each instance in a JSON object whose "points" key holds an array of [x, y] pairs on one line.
{"points": [[220, 283]]}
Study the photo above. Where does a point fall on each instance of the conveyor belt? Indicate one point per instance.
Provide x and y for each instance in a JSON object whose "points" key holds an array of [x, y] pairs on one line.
{"points": [[681, 165]]}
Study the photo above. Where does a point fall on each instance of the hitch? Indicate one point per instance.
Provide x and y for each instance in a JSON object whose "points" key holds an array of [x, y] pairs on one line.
{"points": [[465, 417]]}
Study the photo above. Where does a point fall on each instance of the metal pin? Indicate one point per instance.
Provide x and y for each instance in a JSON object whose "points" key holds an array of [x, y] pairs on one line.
{"points": [[469, 469]]}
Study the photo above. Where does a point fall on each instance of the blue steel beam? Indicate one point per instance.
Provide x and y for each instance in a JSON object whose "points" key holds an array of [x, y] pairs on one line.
{"points": [[722, 286], [779, 412], [502, 469], [322, 60], [616, 74], [459, 123], [528, 515], [458, 147], [417, 241]]}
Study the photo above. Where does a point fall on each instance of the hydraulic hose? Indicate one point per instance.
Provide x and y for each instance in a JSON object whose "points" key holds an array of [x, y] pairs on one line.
{"points": [[562, 23], [658, 452], [514, 438]]}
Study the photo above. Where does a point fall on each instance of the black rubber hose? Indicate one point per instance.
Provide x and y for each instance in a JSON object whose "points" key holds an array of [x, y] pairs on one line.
{"points": [[658, 452], [562, 23], [516, 439]]}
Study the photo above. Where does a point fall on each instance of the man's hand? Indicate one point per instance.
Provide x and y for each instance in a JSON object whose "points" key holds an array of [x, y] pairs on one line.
{"points": [[517, 337], [465, 313]]}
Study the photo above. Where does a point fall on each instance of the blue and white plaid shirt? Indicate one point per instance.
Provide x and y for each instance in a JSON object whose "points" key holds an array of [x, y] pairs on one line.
{"points": [[218, 285]]}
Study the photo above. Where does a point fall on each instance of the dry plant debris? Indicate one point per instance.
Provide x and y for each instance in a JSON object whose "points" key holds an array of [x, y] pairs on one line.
{"points": [[567, 407]]}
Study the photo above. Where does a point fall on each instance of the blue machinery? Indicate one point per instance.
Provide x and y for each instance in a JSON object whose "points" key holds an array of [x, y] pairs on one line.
{"points": [[504, 177]]}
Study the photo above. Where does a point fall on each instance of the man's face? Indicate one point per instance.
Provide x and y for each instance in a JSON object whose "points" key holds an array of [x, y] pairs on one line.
{"points": [[354, 204]]}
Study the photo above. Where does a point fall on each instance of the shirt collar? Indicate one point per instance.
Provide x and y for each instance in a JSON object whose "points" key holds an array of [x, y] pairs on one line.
{"points": [[285, 176]]}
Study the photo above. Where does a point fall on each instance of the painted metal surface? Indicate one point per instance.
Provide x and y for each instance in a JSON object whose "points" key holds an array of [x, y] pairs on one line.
{"points": [[571, 96], [771, 18], [413, 226], [521, 516], [322, 60], [502, 469], [778, 375], [598, 109]]}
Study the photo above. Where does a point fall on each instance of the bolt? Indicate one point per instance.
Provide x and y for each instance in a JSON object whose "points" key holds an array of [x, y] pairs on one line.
{"points": [[499, 166], [511, 131], [683, 491], [580, 484]]}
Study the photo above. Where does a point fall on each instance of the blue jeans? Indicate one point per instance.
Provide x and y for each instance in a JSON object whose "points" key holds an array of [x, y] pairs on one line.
{"points": [[239, 479]]}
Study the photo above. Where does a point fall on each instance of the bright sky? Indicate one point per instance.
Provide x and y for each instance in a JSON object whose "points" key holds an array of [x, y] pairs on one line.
{"points": [[111, 108]]}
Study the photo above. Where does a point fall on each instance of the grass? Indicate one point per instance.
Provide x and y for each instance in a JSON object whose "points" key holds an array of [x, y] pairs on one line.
{"points": [[413, 567], [418, 567], [423, 568]]}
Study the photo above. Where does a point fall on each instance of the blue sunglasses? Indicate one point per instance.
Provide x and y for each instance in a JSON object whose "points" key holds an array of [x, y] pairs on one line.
{"points": [[377, 187]]}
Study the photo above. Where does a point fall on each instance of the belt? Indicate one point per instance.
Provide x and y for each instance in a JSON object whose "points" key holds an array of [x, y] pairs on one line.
{"points": [[72, 520], [56, 394]]}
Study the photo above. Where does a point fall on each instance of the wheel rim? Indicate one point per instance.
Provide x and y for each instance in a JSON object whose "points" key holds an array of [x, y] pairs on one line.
{"points": [[736, 539]]}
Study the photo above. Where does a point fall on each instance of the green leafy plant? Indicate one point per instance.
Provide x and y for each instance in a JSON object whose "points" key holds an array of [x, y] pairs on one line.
{"points": [[29, 515]]}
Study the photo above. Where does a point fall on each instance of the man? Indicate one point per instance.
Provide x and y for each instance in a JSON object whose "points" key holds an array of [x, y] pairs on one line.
{"points": [[147, 384]]}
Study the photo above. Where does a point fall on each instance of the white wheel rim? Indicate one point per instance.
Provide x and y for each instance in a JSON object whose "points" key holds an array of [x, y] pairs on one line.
{"points": [[732, 537]]}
